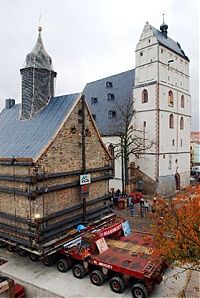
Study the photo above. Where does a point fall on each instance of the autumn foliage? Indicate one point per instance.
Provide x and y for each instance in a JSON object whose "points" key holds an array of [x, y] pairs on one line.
{"points": [[176, 225]]}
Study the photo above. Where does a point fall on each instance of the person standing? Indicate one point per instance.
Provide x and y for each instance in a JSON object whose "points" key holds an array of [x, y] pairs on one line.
{"points": [[142, 207], [131, 207], [146, 206]]}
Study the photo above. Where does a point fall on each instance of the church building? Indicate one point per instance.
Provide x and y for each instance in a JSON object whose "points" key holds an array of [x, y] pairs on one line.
{"points": [[47, 144], [159, 88]]}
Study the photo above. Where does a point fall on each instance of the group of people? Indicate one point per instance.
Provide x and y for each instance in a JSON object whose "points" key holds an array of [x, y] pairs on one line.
{"points": [[144, 207], [143, 204]]}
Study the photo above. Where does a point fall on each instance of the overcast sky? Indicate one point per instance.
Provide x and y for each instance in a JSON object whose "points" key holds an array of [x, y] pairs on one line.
{"points": [[91, 39]]}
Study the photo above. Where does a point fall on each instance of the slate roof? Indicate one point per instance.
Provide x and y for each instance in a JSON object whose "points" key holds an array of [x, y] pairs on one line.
{"points": [[169, 43], [28, 138], [122, 88]]}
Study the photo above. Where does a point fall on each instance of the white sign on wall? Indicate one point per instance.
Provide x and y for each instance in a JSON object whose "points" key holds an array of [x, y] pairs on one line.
{"points": [[85, 179]]}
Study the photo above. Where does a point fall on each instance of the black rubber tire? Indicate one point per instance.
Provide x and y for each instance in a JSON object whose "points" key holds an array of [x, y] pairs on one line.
{"points": [[22, 252], [139, 291], [34, 257], [79, 271], [48, 261], [11, 248], [97, 278], [63, 265], [117, 284]]}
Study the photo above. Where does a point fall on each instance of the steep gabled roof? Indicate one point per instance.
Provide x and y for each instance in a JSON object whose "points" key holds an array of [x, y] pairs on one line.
{"points": [[122, 89], [28, 138], [169, 43]]}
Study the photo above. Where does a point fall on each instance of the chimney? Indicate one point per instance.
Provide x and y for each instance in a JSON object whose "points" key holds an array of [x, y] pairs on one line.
{"points": [[9, 103]]}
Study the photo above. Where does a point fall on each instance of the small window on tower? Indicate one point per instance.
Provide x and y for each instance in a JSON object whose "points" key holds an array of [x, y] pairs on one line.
{"points": [[182, 123], [161, 51], [144, 96], [171, 121], [182, 101], [173, 142], [141, 54], [144, 124], [170, 99]]}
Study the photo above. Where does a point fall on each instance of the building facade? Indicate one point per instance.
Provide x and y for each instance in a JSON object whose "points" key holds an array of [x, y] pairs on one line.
{"points": [[162, 104], [195, 148], [46, 144], [161, 97]]}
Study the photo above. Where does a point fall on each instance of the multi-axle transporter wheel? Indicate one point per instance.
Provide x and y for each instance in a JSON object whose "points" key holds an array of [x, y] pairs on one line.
{"points": [[48, 261], [11, 248], [97, 278], [139, 291], [79, 271], [63, 265], [117, 284], [22, 252], [34, 257]]}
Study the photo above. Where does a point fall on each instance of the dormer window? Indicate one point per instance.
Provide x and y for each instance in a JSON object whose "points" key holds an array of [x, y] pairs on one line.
{"points": [[111, 114], [110, 96], [94, 116], [94, 100], [109, 84]]}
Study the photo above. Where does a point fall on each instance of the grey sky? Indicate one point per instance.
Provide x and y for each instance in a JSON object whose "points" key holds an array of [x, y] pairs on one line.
{"points": [[91, 39]]}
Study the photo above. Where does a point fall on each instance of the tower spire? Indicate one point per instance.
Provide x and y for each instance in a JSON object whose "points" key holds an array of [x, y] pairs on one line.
{"points": [[164, 27], [37, 79]]}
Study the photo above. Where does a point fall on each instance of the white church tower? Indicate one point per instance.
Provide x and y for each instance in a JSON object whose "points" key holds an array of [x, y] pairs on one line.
{"points": [[162, 103]]}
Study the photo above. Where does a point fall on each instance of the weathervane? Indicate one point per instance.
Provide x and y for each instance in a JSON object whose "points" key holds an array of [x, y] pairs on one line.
{"points": [[40, 27]]}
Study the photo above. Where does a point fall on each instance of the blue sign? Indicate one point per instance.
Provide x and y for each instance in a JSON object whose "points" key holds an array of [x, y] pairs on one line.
{"points": [[126, 228]]}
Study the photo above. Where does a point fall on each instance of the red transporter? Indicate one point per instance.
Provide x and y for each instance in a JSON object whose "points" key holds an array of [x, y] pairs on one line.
{"points": [[126, 261]]}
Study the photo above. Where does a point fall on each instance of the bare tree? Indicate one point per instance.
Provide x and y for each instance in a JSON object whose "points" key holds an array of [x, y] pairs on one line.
{"points": [[132, 141]]}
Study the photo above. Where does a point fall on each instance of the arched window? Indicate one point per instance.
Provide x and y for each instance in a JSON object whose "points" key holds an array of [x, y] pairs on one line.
{"points": [[182, 101], [112, 153], [171, 121], [170, 99], [182, 123], [144, 96]]}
